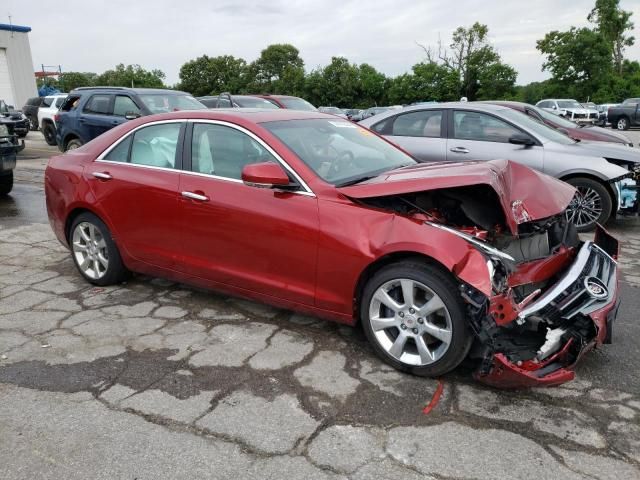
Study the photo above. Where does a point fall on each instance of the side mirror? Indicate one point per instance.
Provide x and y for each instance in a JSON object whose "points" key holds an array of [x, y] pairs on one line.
{"points": [[521, 139], [264, 175], [131, 115]]}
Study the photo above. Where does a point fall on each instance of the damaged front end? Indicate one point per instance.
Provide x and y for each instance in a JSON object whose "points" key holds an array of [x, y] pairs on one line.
{"points": [[549, 298]]}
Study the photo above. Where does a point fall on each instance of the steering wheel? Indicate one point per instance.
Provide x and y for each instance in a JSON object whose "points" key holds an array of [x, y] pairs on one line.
{"points": [[339, 161]]}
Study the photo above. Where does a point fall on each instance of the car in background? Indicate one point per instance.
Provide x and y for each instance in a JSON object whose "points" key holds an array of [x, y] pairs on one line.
{"points": [[603, 110], [338, 112], [30, 110], [569, 109], [354, 114], [88, 112], [46, 116], [289, 102], [226, 100], [625, 115], [466, 131], [21, 124], [577, 132], [372, 111], [437, 262], [10, 145]]}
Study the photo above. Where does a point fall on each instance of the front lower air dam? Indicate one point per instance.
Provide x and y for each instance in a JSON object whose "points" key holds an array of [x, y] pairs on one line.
{"points": [[539, 343]]}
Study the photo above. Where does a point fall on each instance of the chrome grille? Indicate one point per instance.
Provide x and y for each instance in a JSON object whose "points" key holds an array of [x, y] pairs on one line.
{"points": [[570, 296]]}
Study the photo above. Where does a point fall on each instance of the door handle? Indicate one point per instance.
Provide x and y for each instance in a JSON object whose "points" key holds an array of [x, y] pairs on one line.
{"points": [[102, 175], [195, 196], [459, 150]]}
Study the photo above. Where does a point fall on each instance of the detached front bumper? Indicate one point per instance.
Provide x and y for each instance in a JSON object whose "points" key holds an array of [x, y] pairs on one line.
{"points": [[580, 309]]}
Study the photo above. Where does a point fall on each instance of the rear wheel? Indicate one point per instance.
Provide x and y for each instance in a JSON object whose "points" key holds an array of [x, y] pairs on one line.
{"points": [[94, 252], [622, 123], [49, 132], [73, 144], [6, 183], [591, 204], [414, 318]]}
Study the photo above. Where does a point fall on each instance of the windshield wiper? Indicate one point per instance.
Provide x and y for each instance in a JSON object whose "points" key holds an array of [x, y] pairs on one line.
{"points": [[355, 180]]}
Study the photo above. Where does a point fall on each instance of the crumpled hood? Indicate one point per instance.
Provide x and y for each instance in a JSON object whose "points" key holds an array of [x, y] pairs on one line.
{"points": [[524, 194]]}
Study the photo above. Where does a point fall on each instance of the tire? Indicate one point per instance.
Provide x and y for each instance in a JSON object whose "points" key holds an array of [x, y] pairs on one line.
{"points": [[595, 208], [6, 183], [94, 252], [622, 123], [49, 133], [73, 144], [450, 316]]}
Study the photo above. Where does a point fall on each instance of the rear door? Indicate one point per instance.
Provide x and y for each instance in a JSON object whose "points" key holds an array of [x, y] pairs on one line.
{"points": [[419, 132], [481, 136], [97, 116], [136, 187]]}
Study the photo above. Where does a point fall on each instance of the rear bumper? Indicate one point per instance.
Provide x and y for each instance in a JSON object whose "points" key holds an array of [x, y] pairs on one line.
{"points": [[586, 294]]}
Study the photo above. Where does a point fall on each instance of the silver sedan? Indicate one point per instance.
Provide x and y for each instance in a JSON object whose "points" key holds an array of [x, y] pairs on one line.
{"points": [[604, 174]]}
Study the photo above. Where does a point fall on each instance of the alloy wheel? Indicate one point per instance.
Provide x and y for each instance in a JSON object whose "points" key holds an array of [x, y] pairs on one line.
{"points": [[410, 322], [622, 124], [585, 208], [90, 250]]}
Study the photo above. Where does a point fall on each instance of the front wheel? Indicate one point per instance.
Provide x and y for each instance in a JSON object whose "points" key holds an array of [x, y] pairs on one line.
{"points": [[622, 123], [6, 183], [591, 204], [94, 252], [414, 319]]}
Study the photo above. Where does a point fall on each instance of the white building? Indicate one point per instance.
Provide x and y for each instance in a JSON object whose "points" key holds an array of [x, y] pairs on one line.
{"points": [[17, 81]]}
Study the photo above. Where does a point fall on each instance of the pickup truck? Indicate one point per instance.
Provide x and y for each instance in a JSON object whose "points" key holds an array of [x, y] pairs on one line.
{"points": [[10, 145], [625, 115]]}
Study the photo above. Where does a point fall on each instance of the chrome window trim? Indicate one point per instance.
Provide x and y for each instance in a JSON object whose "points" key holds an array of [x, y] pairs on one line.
{"points": [[307, 190]]}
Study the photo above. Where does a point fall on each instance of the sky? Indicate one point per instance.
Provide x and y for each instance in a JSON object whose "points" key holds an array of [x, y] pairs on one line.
{"points": [[93, 36]]}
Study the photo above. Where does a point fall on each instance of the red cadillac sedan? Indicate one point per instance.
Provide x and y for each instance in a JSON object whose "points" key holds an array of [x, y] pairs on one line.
{"points": [[306, 211]]}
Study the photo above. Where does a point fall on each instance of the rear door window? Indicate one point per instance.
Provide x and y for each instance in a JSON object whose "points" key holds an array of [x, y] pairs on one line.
{"points": [[481, 127], [424, 123], [98, 104]]}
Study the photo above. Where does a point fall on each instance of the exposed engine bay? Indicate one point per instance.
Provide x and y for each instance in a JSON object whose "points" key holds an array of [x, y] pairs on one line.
{"points": [[547, 284]]}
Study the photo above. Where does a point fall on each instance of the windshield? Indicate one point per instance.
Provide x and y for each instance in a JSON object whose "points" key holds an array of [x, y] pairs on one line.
{"points": [[163, 102], [254, 102], [568, 104], [555, 119], [294, 103], [338, 151], [536, 128]]}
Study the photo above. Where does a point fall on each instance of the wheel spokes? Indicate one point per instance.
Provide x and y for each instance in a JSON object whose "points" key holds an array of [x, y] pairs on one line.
{"points": [[398, 345], [407, 292], [383, 297]]}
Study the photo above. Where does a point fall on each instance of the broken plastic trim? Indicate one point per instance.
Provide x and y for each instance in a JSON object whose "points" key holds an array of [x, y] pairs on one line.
{"points": [[492, 252]]}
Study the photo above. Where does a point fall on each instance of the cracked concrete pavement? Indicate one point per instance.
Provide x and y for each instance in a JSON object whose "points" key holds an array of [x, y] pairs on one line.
{"points": [[152, 379]]}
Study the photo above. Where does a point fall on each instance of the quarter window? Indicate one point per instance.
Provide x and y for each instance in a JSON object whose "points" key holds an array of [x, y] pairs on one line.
{"points": [[98, 104], [121, 151], [124, 105], [425, 123], [481, 127], [224, 151]]}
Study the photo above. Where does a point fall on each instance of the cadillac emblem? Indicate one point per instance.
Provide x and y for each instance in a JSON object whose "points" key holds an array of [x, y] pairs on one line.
{"points": [[596, 288]]}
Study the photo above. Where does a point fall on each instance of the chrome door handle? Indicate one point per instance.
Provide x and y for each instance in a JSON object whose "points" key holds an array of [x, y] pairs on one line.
{"points": [[195, 196], [459, 150], [102, 175]]}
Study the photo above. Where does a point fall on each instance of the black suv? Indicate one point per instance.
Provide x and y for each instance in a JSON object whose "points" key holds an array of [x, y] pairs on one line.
{"points": [[10, 145], [90, 111], [30, 111]]}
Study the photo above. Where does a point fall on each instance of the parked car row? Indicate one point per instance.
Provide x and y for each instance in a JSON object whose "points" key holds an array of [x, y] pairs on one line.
{"points": [[267, 101], [438, 257], [10, 145]]}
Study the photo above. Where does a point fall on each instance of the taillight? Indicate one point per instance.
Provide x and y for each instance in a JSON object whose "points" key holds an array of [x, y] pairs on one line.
{"points": [[56, 117]]}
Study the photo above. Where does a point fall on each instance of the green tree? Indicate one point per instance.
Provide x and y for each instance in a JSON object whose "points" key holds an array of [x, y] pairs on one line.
{"points": [[341, 83], [213, 75], [279, 69], [131, 76], [578, 59], [70, 80], [371, 88], [613, 23]]}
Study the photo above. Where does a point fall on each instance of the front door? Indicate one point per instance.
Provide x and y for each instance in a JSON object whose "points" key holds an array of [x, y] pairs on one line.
{"points": [[480, 136], [97, 116], [256, 239], [136, 188]]}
